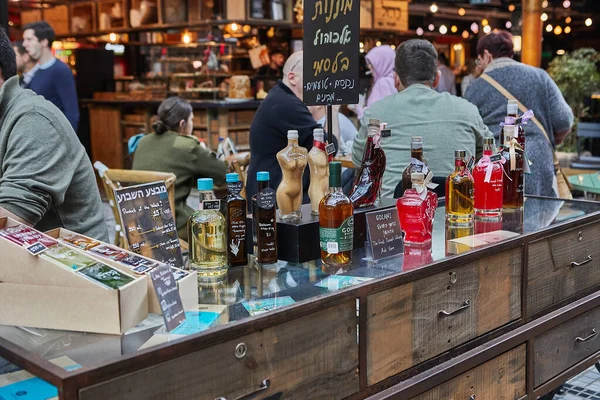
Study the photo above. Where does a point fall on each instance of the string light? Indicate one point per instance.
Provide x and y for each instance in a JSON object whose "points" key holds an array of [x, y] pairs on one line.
{"points": [[465, 34], [431, 27], [508, 25], [461, 12], [511, 8], [113, 37], [567, 29], [485, 22], [443, 29], [420, 31], [549, 28], [474, 28], [544, 17], [378, 43], [544, 3], [568, 20], [234, 27], [186, 38], [557, 30], [560, 52], [588, 22], [433, 8], [566, 4], [454, 29], [487, 29], [393, 47]]}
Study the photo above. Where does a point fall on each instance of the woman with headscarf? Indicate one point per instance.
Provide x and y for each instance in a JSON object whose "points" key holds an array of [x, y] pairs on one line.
{"points": [[380, 61]]}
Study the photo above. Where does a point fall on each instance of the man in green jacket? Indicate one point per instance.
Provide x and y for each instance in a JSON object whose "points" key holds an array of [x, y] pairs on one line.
{"points": [[445, 122], [46, 178]]}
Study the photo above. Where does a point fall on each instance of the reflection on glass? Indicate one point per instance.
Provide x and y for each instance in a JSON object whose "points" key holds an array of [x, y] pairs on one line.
{"points": [[486, 226], [454, 246], [416, 255], [512, 220]]}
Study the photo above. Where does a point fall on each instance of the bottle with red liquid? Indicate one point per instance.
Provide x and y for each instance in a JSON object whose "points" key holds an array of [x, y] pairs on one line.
{"points": [[512, 191], [488, 179], [368, 181], [417, 210]]}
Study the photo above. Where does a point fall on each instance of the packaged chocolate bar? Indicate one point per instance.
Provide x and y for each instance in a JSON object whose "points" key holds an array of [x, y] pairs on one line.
{"points": [[114, 253], [68, 257], [133, 261], [106, 276], [179, 273], [82, 242], [24, 235]]}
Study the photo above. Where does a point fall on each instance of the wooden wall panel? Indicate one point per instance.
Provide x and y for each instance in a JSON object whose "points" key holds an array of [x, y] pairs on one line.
{"points": [[106, 136]]}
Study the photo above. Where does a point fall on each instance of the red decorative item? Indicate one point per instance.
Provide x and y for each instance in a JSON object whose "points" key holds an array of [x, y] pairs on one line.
{"points": [[368, 181]]}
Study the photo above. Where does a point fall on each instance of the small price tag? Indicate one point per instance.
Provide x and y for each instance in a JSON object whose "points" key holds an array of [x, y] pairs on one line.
{"points": [[235, 187], [36, 248], [386, 133], [496, 157], [471, 163], [332, 248], [330, 149], [211, 205]]}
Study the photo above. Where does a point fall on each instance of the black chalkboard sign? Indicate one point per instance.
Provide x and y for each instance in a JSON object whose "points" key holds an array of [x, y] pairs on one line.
{"points": [[384, 234], [148, 223], [331, 55], [168, 296]]}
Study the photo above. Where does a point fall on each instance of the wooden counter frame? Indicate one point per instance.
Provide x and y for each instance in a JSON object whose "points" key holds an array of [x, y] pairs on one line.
{"points": [[406, 384]]}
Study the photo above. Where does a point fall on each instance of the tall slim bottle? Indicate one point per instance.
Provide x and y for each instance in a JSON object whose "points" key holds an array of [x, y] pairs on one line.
{"points": [[264, 223], [512, 114], [292, 160], [336, 222], [367, 185], [459, 192], [418, 163], [319, 171], [488, 183], [513, 170], [207, 235], [235, 214]]}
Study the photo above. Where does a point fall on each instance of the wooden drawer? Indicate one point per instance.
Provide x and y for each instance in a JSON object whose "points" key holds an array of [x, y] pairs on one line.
{"points": [[313, 357], [562, 266], [409, 324], [501, 378], [566, 345]]}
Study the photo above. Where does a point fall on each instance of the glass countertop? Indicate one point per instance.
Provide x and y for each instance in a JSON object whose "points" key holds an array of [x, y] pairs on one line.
{"points": [[254, 289]]}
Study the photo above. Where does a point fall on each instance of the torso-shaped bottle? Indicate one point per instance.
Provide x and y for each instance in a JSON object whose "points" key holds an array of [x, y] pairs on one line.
{"points": [[512, 191], [417, 211], [235, 214], [206, 232], [368, 181], [264, 223], [417, 162], [292, 160], [319, 171], [488, 183], [459, 192], [336, 222]]}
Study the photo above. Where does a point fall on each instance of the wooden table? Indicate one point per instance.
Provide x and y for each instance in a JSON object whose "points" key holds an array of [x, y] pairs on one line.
{"points": [[587, 183], [345, 160], [511, 320]]}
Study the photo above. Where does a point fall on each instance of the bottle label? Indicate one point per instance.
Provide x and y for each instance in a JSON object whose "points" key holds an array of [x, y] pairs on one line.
{"points": [[330, 149], [266, 198], [336, 240], [210, 205], [237, 230], [235, 187]]}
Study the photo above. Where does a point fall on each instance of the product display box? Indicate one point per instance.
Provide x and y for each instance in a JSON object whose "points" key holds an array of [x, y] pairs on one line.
{"points": [[299, 242], [468, 243], [42, 291], [133, 264]]}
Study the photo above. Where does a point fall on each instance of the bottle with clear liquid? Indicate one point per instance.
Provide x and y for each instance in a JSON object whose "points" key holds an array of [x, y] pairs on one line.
{"points": [[459, 192], [235, 214], [418, 163], [417, 211], [207, 235], [292, 160], [488, 179], [264, 223], [319, 171], [336, 222], [513, 170]]}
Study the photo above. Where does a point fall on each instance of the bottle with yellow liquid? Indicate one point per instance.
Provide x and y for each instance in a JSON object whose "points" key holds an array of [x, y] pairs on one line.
{"points": [[459, 192]]}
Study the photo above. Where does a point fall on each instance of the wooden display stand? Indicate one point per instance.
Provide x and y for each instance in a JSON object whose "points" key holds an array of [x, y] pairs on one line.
{"points": [[188, 286], [39, 293]]}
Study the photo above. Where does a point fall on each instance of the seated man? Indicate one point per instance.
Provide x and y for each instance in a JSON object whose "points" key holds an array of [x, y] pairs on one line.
{"points": [[445, 122], [46, 178], [282, 110]]}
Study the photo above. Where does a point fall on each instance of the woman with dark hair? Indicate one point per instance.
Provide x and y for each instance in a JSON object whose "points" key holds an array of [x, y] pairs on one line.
{"points": [[173, 148], [533, 88]]}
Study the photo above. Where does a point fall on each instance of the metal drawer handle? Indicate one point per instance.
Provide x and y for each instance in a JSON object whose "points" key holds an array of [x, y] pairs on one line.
{"points": [[264, 385], [576, 264], [472, 397], [581, 340], [464, 306]]}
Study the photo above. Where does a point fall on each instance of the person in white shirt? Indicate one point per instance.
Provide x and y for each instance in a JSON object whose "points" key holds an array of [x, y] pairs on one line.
{"points": [[447, 80]]}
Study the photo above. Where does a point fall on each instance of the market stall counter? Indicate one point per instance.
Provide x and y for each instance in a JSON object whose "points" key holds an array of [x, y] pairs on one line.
{"points": [[480, 315]]}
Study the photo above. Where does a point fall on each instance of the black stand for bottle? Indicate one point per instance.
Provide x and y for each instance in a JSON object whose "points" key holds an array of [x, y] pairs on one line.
{"points": [[329, 123]]}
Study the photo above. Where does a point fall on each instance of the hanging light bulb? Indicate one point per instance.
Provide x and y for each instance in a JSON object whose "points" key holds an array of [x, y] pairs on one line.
{"points": [[431, 27], [393, 47], [443, 29], [465, 34], [511, 8], [560, 52], [567, 29], [454, 29], [112, 37], [186, 38], [433, 8], [461, 12], [487, 29], [544, 3], [557, 30], [485, 22], [474, 27], [508, 25], [588, 22], [378, 43], [549, 28], [566, 4], [568, 20], [420, 31], [544, 17]]}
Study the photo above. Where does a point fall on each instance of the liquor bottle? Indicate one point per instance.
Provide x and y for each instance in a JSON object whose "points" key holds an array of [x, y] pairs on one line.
{"points": [[368, 181], [512, 115], [417, 211], [459, 192], [418, 163], [336, 222], [512, 191], [263, 217], [292, 160], [235, 214], [207, 235], [488, 183], [319, 171]]}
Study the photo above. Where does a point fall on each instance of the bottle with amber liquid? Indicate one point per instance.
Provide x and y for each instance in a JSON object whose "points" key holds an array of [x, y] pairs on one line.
{"points": [[235, 214], [264, 223], [512, 115], [418, 163], [369, 178], [512, 191], [459, 192], [488, 179], [336, 222]]}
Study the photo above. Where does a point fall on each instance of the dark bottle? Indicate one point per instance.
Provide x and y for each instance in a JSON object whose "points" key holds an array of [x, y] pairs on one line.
{"points": [[235, 214], [513, 184], [264, 223], [512, 116], [368, 180], [417, 162]]}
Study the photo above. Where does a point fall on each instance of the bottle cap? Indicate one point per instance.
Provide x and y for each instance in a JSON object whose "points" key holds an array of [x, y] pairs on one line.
{"points": [[292, 134], [262, 176], [335, 168], [417, 177], [221, 139], [512, 107], [318, 134], [205, 184], [460, 153], [488, 141], [233, 177], [416, 142]]}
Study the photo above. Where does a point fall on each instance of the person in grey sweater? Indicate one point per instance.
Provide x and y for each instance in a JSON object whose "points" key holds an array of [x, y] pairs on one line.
{"points": [[534, 88], [46, 178]]}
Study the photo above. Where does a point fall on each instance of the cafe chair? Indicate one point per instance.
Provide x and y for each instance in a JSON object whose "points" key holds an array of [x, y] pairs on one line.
{"points": [[119, 178], [440, 190], [586, 130]]}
